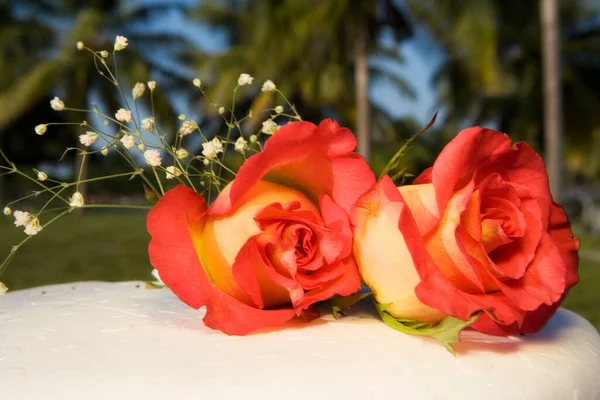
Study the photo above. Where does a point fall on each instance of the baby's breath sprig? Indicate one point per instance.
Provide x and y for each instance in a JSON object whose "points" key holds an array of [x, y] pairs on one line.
{"points": [[140, 141]]}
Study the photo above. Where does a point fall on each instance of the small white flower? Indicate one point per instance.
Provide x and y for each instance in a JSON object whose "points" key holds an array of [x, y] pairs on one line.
{"points": [[42, 176], [268, 86], [152, 157], [120, 43], [3, 289], [197, 82], [104, 151], [57, 104], [279, 109], [21, 217], [104, 54], [173, 172], [187, 127], [80, 45], [123, 115], [212, 148], [138, 90], [41, 129], [245, 79], [76, 200], [148, 124], [7, 211], [127, 141], [157, 276], [221, 110], [88, 139], [253, 138], [33, 227], [181, 153], [151, 85], [241, 145], [269, 127], [141, 147]]}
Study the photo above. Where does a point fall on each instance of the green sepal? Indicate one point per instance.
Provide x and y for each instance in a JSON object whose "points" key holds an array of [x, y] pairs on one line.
{"points": [[152, 285], [447, 331], [150, 195], [341, 304]]}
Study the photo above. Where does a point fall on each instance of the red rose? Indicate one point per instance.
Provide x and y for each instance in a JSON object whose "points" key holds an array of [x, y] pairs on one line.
{"points": [[478, 232], [275, 241]]}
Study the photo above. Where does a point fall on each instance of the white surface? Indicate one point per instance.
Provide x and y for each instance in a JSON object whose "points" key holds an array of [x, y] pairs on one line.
{"points": [[121, 341]]}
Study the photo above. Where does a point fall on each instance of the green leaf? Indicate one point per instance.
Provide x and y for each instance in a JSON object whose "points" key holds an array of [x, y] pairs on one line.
{"points": [[341, 304], [446, 331], [393, 168], [152, 285]]}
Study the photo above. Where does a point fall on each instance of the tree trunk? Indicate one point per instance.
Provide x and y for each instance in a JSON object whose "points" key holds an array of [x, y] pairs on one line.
{"points": [[549, 24], [361, 82]]}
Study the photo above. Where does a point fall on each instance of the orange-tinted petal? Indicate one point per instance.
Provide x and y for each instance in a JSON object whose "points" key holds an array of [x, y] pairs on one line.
{"points": [[314, 160]]}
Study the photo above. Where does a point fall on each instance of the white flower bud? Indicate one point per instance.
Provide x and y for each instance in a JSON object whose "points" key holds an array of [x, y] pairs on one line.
{"points": [[181, 117], [173, 172], [253, 139], [123, 115], [33, 227], [269, 127], [138, 90], [79, 45], [148, 124], [245, 79], [41, 129], [268, 86], [152, 158], [88, 139], [151, 85], [127, 141], [120, 43], [6, 211], [279, 109], [104, 54], [181, 153], [76, 200], [57, 104], [42, 176], [104, 151], [197, 82], [206, 161], [141, 147], [240, 145], [221, 110], [212, 148]]}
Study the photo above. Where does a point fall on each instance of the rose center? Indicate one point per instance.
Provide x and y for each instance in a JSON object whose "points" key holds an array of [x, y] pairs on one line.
{"points": [[302, 239]]}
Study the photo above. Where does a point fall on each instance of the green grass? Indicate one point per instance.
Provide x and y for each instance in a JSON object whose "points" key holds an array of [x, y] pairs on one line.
{"points": [[93, 246], [113, 247]]}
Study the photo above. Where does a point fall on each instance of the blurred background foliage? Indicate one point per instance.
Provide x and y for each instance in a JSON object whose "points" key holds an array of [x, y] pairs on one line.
{"points": [[330, 57]]}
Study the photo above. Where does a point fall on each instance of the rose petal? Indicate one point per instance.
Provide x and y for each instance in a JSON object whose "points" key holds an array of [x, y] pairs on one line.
{"points": [[383, 225], [475, 153], [171, 222], [446, 247], [315, 160], [421, 201]]}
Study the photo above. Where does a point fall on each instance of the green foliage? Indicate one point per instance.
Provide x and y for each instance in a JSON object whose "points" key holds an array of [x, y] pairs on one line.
{"points": [[307, 48], [446, 331]]}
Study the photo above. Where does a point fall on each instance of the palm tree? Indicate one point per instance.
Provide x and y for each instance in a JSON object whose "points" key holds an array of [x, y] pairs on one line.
{"points": [[314, 50], [492, 71], [37, 46]]}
